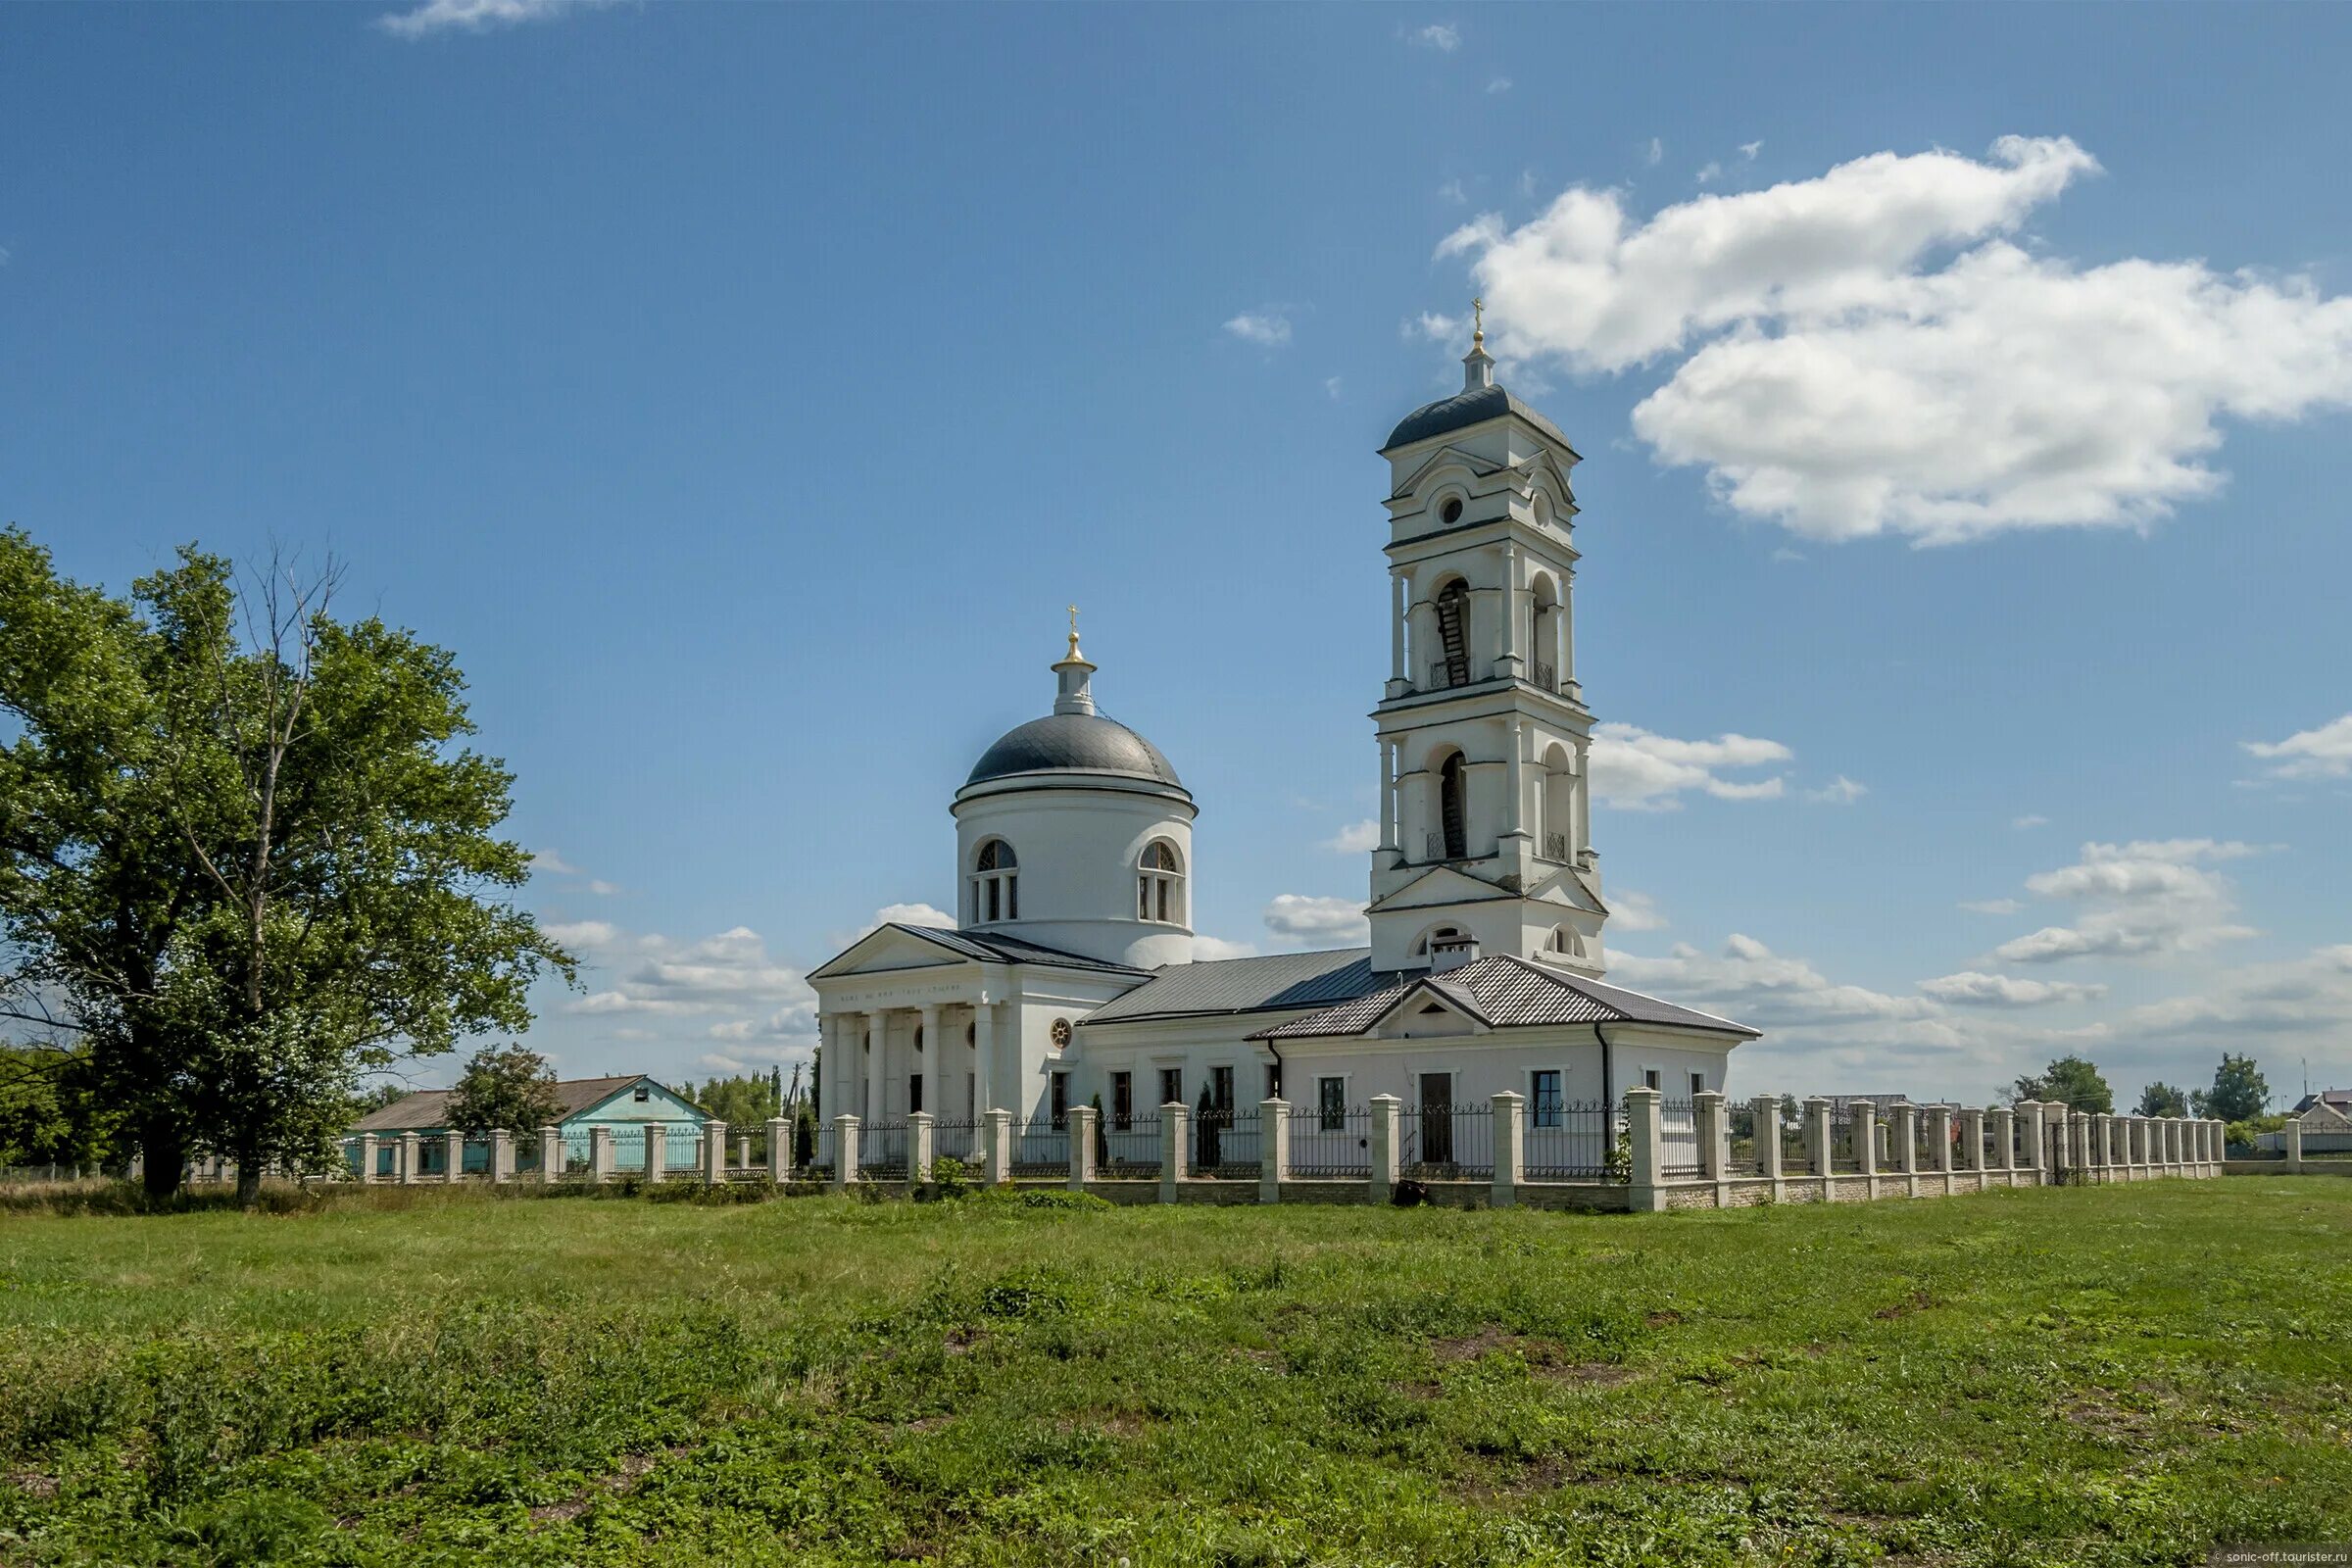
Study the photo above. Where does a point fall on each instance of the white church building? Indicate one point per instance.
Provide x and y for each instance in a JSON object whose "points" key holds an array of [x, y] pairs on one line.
{"points": [[1070, 974]]}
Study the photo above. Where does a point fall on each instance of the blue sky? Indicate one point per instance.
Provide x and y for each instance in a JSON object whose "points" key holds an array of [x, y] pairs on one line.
{"points": [[742, 392]]}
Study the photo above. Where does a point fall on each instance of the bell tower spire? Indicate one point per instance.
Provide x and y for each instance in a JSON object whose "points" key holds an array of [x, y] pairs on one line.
{"points": [[1477, 365]]}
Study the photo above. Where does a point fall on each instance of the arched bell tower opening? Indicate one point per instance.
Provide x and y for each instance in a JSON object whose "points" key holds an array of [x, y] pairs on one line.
{"points": [[1484, 735]]}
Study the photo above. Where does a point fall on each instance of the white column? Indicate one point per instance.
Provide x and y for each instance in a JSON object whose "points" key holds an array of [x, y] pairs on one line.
{"points": [[551, 1155], [878, 1023], [931, 1063], [656, 1151], [1387, 793], [1514, 823], [1508, 655], [984, 1051], [1396, 625], [1566, 621], [779, 1149], [1582, 795], [844, 1149], [366, 1156], [714, 1152], [1386, 1164], [502, 1154], [1510, 1147], [1081, 1125], [1274, 1148], [1644, 1192]]}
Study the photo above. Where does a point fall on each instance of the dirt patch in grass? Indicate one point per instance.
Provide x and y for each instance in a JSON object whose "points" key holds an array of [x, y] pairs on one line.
{"points": [[1665, 1317], [1916, 1302], [37, 1483], [1548, 1360], [924, 1422], [1529, 1479], [961, 1337]]}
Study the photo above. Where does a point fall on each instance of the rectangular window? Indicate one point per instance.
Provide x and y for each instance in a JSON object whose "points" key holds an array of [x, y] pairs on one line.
{"points": [[914, 1093], [1220, 1088], [1330, 1105], [1122, 1100], [643, 1095], [1171, 1086], [1649, 1077], [1163, 900], [1013, 898], [1060, 1102], [1544, 1105], [992, 898], [1698, 1084]]}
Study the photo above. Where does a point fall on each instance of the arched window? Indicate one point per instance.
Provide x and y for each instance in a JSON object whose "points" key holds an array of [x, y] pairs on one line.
{"points": [[1452, 819], [1439, 937], [996, 883], [1453, 636], [1566, 941], [1159, 885]]}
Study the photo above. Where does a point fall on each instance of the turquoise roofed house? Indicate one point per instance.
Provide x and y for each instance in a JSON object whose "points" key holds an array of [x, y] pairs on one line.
{"points": [[624, 1105]]}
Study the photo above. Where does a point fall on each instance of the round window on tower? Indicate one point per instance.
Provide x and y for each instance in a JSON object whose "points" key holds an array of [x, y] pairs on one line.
{"points": [[1451, 512], [1061, 1034]]}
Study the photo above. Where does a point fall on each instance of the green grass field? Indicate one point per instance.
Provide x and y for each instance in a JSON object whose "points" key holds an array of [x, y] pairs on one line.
{"points": [[2115, 1375]]}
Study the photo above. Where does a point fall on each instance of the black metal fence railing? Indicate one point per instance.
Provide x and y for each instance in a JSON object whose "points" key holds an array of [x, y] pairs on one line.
{"points": [[1041, 1148], [1226, 1145], [1678, 1140], [1796, 1151], [958, 1140], [1446, 1142], [1331, 1144], [882, 1151], [1128, 1149], [1572, 1140]]}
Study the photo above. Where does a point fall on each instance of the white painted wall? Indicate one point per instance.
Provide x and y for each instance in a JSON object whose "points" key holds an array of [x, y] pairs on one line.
{"points": [[1079, 850]]}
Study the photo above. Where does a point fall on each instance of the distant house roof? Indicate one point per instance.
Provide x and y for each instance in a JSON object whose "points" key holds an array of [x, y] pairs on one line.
{"points": [[2326, 1110], [1245, 985], [1504, 992], [429, 1109], [2337, 1100]]}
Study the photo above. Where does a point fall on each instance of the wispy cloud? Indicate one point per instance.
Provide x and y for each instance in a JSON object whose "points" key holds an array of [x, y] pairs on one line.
{"points": [[1499, 84], [1298, 920], [2028, 820], [2321, 752], [1839, 791], [477, 15], [1635, 769], [1269, 328], [1437, 35], [2136, 899], [1356, 838]]}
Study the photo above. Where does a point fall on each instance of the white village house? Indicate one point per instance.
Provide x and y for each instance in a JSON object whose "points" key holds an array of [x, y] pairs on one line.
{"points": [[1070, 972]]}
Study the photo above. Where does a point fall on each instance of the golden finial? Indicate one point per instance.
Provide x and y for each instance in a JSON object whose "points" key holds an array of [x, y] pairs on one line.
{"points": [[1074, 654], [1477, 317]]}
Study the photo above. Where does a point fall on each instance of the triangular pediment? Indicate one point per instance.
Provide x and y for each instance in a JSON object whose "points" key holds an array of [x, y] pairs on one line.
{"points": [[887, 948], [1545, 463], [1426, 1010], [1565, 888], [1437, 886], [1444, 458]]}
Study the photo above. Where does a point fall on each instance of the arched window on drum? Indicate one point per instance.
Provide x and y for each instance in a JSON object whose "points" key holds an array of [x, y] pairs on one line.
{"points": [[1159, 884]]}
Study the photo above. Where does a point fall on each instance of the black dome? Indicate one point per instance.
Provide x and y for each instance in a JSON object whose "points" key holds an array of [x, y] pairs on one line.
{"points": [[1074, 742], [1462, 410]]}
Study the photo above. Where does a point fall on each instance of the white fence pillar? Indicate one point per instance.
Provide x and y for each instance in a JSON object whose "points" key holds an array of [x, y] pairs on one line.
{"points": [[996, 1160], [600, 1155], [552, 1159], [1510, 1146], [919, 1147], [367, 1171], [656, 1151], [1646, 1193], [1174, 1127], [845, 1151], [1387, 1162], [411, 1157], [714, 1152], [1713, 1131], [453, 1156], [779, 1149], [1274, 1148], [1081, 1121], [502, 1155], [743, 1151]]}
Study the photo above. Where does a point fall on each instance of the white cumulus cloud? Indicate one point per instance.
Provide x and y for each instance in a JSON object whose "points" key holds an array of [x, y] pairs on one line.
{"points": [[2321, 752], [1440, 36], [1299, 920], [1871, 350], [2138, 898], [1970, 989], [1635, 769], [1356, 838], [1634, 911]]}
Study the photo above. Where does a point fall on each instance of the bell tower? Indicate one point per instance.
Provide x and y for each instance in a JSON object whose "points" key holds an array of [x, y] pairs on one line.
{"points": [[1485, 739]]}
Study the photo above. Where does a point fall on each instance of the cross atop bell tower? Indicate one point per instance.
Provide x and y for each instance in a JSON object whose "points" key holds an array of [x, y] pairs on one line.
{"points": [[1484, 740]]}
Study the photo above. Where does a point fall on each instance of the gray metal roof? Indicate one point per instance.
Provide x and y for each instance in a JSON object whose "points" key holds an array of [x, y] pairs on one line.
{"points": [[1505, 992], [1074, 742], [1463, 410], [1245, 985]]}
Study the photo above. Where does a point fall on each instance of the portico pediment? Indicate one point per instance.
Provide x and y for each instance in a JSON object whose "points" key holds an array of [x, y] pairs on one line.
{"points": [[1439, 885], [889, 949], [1447, 456], [1567, 889]]}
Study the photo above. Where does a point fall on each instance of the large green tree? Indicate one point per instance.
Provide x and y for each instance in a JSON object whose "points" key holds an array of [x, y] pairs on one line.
{"points": [[2074, 1082], [504, 1085], [2239, 1092], [244, 853], [2163, 1100]]}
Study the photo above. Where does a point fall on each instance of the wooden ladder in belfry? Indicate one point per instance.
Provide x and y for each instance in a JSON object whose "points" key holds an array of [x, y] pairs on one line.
{"points": [[1451, 629]]}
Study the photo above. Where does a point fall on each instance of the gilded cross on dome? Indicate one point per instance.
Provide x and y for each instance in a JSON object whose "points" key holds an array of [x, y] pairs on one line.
{"points": [[1478, 318]]}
